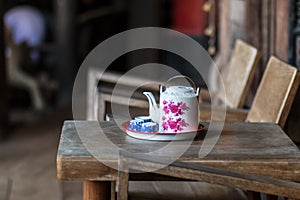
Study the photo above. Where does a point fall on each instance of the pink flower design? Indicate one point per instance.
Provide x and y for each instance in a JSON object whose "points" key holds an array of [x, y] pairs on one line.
{"points": [[165, 125], [174, 109], [184, 107], [183, 123], [172, 124], [166, 109]]}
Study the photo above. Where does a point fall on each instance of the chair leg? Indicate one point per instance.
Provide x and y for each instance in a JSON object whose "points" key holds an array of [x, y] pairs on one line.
{"points": [[101, 108]]}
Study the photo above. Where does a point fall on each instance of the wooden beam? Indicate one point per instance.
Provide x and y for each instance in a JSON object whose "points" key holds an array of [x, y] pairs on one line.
{"points": [[257, 183]]}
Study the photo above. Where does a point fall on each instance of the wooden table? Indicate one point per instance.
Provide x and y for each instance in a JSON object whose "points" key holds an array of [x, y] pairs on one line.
{"points": [[257, 148]]}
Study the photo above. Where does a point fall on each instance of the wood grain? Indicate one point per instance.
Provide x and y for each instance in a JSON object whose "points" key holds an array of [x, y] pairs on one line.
{"points": [[272, 102], [237, 76], [213, 175], [255, 148], [266, 35], [123, 182], [281, 30], [254, 37], [232, 114], [96, 190], [275, 94], [239, 73]]}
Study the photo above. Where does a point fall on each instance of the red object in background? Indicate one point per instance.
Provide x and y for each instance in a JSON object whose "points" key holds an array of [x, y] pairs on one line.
{"points": [[188, 17]]}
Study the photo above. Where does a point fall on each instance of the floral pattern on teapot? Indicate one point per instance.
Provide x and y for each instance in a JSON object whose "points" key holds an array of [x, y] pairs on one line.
{"points": [[172, 119]]}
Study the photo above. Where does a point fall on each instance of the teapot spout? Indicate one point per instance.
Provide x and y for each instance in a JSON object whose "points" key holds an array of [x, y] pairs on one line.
{"points": [[153, 107]]}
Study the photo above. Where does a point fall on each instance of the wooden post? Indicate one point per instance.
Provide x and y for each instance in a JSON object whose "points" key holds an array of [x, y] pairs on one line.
{"points": [[123, 185], [254, 37], [65, 33], [3, 82], [281, 28], [224, 44], [281, 51], [123, 180], [96, 190]]}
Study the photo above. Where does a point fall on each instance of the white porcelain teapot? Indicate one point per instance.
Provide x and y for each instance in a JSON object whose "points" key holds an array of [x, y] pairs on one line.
{"points": [[178, 107]]}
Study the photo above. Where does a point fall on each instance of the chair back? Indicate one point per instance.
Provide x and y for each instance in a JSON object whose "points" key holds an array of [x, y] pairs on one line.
{"points": [[239, 74], [275, 94]]}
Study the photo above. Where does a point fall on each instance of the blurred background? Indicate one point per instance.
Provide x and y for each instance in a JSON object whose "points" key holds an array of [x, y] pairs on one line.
{"points": [[44, 42]]}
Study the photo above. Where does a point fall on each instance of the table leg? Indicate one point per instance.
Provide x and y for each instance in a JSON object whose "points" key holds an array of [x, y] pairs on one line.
{"points": [[96, 190]]}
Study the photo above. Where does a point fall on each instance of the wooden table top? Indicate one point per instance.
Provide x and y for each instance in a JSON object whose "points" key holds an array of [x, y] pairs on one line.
{"points": [[258, 148]]}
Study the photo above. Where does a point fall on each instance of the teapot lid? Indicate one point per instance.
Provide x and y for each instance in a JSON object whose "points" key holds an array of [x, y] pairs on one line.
{"points": [[180, 91]]}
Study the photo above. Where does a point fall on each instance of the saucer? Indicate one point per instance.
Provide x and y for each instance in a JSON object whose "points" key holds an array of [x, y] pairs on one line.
{"points": [[161, 136]]}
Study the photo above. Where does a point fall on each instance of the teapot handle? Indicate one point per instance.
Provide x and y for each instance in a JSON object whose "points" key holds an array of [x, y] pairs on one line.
{"points": [[181, 76]]}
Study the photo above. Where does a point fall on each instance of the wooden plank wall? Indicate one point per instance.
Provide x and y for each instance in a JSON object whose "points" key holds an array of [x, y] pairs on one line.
{"points": [[224, 32], [281, 30], [267, 28], [254, 37], [280, 49]]}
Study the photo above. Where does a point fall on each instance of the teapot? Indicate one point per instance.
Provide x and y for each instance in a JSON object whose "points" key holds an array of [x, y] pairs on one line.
{"points": [[178, 107]]}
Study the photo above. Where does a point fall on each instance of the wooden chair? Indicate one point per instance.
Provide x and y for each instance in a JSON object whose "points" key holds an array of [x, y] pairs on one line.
{"points": [[274, 96], [193, 172], [237, 77]]}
